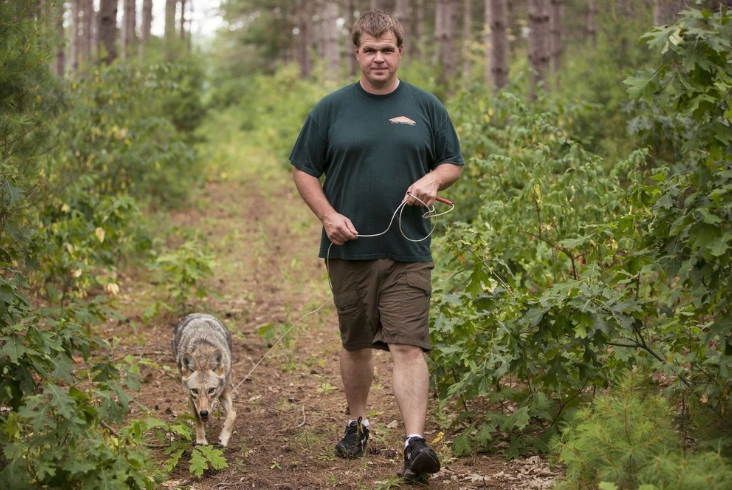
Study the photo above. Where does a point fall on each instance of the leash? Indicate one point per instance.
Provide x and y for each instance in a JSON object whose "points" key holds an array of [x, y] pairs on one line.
{"points": [[278, 341], [430, 213]]}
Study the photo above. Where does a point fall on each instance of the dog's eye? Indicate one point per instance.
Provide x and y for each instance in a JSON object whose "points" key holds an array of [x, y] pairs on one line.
{"points": [[194, 391], [211, 391]]}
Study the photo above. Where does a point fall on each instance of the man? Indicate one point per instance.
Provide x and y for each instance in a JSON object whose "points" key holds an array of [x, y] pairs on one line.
{"points": [[379, 142]]}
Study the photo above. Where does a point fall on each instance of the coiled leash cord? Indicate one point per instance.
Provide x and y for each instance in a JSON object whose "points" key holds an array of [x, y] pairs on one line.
{"points": [[429, 214]]}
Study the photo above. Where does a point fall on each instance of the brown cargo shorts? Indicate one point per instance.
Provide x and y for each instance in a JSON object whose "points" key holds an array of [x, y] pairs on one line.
{"points": [[382, 302]]}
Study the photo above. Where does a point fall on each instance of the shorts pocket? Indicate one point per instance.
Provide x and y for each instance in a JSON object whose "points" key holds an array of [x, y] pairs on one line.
{"points": [[346, 301], [419, 281], [352, 320]]}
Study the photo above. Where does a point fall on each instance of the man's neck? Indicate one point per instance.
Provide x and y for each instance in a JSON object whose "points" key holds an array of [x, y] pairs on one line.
{"points": [[387, 89]]}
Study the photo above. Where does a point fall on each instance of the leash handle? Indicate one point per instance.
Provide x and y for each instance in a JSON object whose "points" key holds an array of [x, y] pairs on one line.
{"points": [[438, 198], [444, 201]]}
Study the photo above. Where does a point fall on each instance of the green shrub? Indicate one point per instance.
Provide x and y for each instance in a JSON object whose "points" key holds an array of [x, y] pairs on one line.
{"points": [[627, 438], [183, 272]]}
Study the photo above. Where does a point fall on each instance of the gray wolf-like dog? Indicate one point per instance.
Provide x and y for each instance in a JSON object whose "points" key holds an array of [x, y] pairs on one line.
{"points": [[202, 351]]}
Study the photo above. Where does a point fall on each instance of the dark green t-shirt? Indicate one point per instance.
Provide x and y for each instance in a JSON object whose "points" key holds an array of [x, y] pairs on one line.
{"points": [[371, 148]]}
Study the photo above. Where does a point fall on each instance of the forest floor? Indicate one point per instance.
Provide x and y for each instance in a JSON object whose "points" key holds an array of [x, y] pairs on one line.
{"points": [[291, 409]]}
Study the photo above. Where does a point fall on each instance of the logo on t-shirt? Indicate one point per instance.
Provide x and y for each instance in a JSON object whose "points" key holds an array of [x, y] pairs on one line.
{"points": [[402, 120]]}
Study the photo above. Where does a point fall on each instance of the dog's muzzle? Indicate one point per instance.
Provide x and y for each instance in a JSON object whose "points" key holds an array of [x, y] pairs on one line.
{"points": [[204, 415]]}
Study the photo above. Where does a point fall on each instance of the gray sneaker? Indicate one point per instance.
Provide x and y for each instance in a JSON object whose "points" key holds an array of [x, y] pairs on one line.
{"points": [[354, 441], [419, 460]]}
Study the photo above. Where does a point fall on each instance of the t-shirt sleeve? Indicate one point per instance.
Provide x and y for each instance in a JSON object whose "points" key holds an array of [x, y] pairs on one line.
{"points": [[447, 144], [309, 151]]}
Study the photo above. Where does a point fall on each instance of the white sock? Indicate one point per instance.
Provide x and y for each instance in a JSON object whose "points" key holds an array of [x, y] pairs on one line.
{"points": [[406, 441], [364, 422]]}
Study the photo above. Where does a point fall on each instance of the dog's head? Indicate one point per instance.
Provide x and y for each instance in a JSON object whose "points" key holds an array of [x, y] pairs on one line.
{"points": [[204, 379]]}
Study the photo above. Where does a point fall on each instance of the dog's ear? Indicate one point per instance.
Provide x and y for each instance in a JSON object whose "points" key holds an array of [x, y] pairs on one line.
{"points": [[188, 364], [215, 362]]}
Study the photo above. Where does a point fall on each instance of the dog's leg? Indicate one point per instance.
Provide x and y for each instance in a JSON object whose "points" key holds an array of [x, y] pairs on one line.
{"points": [[200, 431], [228, 405]]}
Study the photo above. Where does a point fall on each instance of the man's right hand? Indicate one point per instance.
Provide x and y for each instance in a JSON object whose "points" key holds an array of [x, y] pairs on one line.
{"points": [[339, 229]]}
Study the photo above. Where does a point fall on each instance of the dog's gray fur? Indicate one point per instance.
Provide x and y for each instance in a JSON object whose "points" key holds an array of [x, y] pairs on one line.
{"points": [[202, 351]]}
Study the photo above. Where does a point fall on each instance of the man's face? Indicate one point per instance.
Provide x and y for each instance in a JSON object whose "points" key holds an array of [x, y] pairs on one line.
{"points": [[378, 59]]}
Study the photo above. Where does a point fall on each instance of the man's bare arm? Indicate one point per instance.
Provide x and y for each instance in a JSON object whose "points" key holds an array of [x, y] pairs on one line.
{"points": [[426, 188], [338, 227]]}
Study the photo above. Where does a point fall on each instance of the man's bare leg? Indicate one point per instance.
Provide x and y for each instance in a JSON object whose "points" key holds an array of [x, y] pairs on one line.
{"points": [[411, 384], [357, 373]]}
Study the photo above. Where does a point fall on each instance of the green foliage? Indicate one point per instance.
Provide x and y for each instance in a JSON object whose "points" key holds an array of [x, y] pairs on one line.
{"points": [[75, 163], [87, 239], [121, 140], [183, 105], [685, 97], [201, 456], [693, 77], [273, 109], [589, 86], [183, 271], [570, 272], [626, 440], [29, 108], [532, 297], [690, 232], [63, 400]]}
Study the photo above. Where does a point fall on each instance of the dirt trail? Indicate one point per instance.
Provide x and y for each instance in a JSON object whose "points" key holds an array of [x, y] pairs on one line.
{"points": [[292, 411]]}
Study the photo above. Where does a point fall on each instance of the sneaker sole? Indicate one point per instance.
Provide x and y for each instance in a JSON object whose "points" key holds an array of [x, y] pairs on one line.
{"points": [[346, 455]]}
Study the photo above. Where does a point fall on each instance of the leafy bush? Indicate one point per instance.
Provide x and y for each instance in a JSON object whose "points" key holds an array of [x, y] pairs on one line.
{"points": [[570, 273], [120, 141], [63, 403], [74, 164], [183, 272], [529, 311]]}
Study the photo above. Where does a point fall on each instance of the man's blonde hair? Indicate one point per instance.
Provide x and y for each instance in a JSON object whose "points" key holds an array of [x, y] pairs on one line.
{"points": [[377, 23]]}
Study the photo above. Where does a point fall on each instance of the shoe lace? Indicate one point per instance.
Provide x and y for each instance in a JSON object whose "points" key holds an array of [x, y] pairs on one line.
{"points": [[415, 445], [355, 432]]}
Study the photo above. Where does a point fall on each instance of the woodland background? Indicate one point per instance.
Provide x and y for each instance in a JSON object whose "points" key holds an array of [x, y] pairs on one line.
{"points": [[583, 309]]}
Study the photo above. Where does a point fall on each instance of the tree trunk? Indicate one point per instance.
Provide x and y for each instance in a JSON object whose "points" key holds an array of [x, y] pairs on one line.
{"points": [[146, 27], [557, 25], [304, 39], [499, 43], [666, 11], [169, 32], [60, 65], [467, 39], [591, 28], [74, 36], [319, 29], [374, 4], [129, 15], [487, 33], [401, 12], [183, 19], [445, 36], [350, 58], [420, 38], [108, 30], [539, 44], [332, 44], [87, 37]]}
